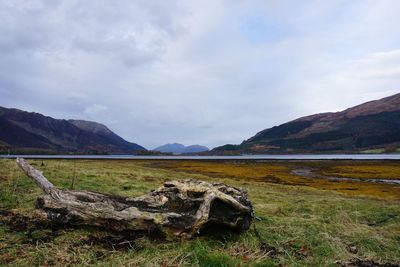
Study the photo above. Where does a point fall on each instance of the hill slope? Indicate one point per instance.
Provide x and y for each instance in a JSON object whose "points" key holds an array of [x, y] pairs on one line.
{"points": [[177, 148], [23, 131], [375, 124]]}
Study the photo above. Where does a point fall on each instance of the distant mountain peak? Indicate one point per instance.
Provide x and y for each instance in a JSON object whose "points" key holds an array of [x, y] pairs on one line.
{"points": [[177, 148], [91, 126]]}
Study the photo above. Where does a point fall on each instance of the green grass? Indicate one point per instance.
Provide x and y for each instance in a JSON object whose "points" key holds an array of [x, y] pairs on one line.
{"points": [[306, 226]]}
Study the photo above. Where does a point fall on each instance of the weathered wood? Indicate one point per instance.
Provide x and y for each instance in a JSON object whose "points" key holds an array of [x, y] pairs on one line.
{"points": [[36, 176], [178, 208]]}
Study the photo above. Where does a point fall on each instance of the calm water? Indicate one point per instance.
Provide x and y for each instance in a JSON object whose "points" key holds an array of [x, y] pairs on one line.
{"points": [[244, 157]]}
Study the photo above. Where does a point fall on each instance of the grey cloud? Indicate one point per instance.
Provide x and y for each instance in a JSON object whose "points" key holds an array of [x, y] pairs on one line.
{"points": [[195, 71]]}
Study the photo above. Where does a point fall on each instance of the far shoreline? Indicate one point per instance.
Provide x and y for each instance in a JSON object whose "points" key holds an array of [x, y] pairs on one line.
{"points": [[236, 157]]}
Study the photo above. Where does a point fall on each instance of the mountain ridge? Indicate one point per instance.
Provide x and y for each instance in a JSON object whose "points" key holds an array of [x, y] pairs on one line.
{"points": [[31, 131], [374, 124]]}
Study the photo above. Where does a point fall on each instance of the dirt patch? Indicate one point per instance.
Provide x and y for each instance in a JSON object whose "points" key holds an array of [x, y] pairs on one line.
{"points": [[35, 230], [388, 218], [108, 242], [368, 263], [5, 213], [300, 252], [39, 230], [20, 223], [313, 173], [270, 251]]}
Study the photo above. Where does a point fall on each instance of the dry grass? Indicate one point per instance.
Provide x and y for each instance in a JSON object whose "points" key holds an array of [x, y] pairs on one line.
{"points": [[301, 225]]}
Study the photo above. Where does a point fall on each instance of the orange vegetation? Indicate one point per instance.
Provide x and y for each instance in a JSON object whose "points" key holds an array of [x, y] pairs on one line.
{"points": [[280, 172]]}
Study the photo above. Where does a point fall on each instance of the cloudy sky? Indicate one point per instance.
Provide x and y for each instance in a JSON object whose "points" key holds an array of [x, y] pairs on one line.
{"points": [[205, 72]]}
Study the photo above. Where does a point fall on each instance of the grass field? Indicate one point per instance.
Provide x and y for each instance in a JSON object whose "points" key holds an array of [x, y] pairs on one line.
{"points": [[303, 221]]}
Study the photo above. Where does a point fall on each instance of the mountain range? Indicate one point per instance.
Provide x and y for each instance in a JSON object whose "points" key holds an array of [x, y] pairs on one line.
{"points": [[29, 132], [372, 125], [177, 148]]}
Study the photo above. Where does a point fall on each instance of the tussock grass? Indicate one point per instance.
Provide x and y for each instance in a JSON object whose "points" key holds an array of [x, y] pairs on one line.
{"points": [[301, 225]]}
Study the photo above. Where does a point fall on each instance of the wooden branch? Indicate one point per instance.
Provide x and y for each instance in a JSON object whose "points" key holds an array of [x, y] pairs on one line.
{"points": [[36, 176], [178, 208]]}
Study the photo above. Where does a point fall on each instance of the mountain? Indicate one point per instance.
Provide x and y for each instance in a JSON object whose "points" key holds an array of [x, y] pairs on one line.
{"points": [[176, 148], [29, 132], [170, 148], [195, 149], [372, 125]]}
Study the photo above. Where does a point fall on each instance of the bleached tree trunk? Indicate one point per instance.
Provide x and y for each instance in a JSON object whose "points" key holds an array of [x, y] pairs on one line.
{"points": [[178, 208]]}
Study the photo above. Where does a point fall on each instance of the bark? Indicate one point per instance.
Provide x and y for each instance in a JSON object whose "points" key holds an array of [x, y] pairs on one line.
{"points": [[178, 208]]}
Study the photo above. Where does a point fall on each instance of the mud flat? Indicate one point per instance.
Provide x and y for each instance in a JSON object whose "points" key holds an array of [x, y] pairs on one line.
{"points": [[309, 173]]}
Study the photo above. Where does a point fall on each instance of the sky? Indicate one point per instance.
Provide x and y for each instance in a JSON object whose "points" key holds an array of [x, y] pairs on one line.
{"points": [[207, 72]]}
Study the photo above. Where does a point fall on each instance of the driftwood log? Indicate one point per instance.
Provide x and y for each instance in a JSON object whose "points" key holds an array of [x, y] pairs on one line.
{"points": [[178, 208]]}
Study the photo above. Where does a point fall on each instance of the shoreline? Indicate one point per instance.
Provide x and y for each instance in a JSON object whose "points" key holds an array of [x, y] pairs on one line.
{"points": [[244, 157]]}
